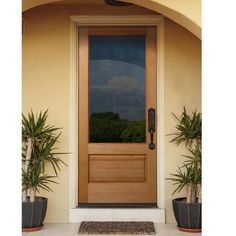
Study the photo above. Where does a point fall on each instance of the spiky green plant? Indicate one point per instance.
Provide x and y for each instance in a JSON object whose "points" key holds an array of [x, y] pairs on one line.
{"points": [[181, 178], [38, 140], [188, 128], [189, 175]]}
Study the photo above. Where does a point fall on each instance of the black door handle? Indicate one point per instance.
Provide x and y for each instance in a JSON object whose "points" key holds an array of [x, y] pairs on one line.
{"points": [[151, 127]]}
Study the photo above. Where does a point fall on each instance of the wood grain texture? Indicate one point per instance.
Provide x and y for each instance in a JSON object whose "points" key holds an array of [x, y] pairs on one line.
{"points": [[83, 119], [117, 168], [110, 192], [117, 148], [117, 172], [116, 30], [151, 91]]}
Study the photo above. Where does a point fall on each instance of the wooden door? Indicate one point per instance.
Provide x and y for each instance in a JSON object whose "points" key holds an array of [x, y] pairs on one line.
{"points": [[117, 91]]}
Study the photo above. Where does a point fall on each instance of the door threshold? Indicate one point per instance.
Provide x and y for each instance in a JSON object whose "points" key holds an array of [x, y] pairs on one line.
{"points": [[100, 213], [117, 205]]}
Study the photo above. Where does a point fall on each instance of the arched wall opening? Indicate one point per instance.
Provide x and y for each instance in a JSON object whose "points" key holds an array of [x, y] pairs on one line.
{"points": [[186, 13], [46, 71]]}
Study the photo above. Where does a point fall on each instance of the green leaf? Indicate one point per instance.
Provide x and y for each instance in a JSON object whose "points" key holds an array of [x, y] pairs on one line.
{"points": [[188, 128], [44, 138]]}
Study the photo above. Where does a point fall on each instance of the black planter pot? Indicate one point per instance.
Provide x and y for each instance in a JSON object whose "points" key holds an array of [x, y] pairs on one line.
{"points": [[187, 215], [33, 214]]}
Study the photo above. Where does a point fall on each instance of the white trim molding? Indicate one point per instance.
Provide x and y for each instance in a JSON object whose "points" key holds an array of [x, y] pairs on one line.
{"points": [[156, 215], [160, 117], [73, 165], [106, 20]]}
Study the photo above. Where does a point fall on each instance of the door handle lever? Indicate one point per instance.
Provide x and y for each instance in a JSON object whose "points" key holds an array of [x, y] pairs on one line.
{"points": [[151, 127]]}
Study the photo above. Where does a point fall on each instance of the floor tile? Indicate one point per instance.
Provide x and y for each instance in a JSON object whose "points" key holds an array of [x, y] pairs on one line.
{"points": [[72, 229]]}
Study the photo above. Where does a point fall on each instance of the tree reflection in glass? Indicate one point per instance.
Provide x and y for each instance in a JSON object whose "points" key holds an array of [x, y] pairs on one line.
{"points": [[117, 89]]}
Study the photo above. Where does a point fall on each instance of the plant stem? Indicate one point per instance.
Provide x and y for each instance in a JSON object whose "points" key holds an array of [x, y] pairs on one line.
{"points": [[189, 193], [200, 194], [194, 195], [32, 193], [28, 155], [26, 164], [28, 152], [24, 196]]}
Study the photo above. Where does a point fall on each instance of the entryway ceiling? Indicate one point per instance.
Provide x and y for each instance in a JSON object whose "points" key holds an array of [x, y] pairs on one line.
{"points": [[186, 13]]}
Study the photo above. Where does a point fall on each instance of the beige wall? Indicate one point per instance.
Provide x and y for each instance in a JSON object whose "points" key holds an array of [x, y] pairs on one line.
{"points": [[45, 84], [182, 88], [187, 13]]}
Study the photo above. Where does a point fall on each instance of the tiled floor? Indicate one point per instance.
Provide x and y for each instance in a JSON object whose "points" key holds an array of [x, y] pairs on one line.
{"points": [[72, 229]]}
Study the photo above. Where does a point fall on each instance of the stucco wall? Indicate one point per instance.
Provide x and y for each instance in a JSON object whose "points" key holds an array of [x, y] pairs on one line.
{"points": [[182, 88], [45, 84], [187, 13]]}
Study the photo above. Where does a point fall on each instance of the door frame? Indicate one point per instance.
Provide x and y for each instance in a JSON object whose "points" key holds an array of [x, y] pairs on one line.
{"points": [[94, 191], [108, 20]]}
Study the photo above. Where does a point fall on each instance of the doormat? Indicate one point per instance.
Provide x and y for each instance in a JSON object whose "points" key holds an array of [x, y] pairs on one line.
{"points": [[117, 227]]}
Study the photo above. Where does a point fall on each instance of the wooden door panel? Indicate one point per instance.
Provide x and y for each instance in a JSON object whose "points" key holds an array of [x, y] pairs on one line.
{"points": [[119, 193], [117, 168], [116, 172], [115, 148]]}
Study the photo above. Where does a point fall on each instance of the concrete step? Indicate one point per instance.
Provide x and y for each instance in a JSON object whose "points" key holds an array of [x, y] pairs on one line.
{"points": [[156, 215]]}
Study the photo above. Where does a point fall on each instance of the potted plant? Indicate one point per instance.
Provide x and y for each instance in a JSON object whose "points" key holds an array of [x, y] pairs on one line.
{"points": [[38, 152], [187, 210]]}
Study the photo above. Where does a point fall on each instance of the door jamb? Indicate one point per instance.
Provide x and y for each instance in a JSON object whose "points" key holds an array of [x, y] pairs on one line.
{"points": [[106, 20]]}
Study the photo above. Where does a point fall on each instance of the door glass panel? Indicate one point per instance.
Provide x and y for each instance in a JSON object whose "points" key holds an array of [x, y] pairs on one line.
{"points": [[117, 89]]}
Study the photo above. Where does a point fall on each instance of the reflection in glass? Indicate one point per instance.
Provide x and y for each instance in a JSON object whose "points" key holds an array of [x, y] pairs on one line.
{"points": [[117, 89]]}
